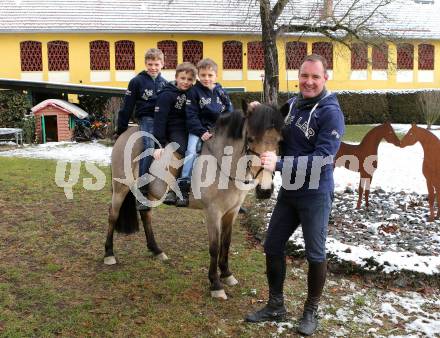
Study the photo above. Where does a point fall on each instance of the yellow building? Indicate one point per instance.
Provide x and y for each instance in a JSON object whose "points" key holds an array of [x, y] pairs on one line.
{"points": [[103, 43]]}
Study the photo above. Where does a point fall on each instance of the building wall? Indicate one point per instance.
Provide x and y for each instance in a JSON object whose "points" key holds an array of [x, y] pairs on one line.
{"points": [[79, 60]]}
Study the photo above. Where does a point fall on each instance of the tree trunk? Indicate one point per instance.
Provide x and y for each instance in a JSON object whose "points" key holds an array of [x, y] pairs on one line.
{"points": [[269, 39]]}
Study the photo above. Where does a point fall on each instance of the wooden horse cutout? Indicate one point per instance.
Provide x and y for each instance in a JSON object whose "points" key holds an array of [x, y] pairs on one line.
{"points": [[431, 162], [362, 157]]}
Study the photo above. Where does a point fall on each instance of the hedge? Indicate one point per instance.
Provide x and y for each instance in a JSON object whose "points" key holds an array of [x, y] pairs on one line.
{"points": [[362, 107]]}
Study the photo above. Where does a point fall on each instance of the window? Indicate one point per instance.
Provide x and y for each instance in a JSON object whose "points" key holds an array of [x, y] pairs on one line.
{"points": [[169, 50], [124, 55], [295, 53], [99, 55], [31, 56], [58, 55], [359, 56], [192, 51], [405, 56], [380, 57], [255, 55], [426, 57], [232, 55], [325, 49]]}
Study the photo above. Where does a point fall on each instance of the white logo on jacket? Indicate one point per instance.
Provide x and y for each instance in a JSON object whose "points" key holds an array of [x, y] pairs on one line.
{"points": [[147, 94], [303, 126], [204, 102], [180, 101]]}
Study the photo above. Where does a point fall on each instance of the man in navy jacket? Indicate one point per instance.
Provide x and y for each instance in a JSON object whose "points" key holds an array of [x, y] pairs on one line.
{"points": [[311, 138]]}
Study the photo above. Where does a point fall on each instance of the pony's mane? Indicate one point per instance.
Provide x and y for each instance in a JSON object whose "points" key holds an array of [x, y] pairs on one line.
{"points": [[265, 117], [230, 124]]}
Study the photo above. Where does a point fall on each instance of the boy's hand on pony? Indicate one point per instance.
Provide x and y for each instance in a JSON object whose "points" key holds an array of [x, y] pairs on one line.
{"points": [[206, 136], [157, 154]]}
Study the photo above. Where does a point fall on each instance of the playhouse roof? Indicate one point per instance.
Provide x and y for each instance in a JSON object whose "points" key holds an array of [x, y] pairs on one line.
{"points": [[63, 105], [403, 18]]}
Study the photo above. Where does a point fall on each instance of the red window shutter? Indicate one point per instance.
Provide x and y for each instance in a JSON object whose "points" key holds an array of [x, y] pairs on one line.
{"points": [[99, 55], [405, 56], [426, 57], [124, 55], [325, 49], [31, 56], [295, 53], [192, 51], [169, 50], [232, 55], [359, 56], [255, 55], [58, 55], [380, 57]]}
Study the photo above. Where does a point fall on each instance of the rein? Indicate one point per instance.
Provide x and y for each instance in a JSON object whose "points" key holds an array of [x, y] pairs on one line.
{"points": [[247, 151]]}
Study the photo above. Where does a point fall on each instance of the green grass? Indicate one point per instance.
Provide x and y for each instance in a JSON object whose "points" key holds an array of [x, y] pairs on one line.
{"points": [[53, 281], [356, 132]]}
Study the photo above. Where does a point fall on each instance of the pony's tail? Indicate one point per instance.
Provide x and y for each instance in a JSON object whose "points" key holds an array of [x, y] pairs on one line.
{"points": [[127, 222]]}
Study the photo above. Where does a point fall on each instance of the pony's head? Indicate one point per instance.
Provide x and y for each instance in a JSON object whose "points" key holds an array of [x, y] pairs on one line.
{"points": [[263, 133], [410, 138], [390, 136]]}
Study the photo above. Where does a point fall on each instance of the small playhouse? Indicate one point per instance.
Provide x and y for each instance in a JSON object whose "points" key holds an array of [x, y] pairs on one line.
{"points": [[55, 120]]}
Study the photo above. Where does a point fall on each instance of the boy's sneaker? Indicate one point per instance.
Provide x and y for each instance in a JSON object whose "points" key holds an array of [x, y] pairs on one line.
{"points": [[170, 198], [308, 323], [184, 186]]}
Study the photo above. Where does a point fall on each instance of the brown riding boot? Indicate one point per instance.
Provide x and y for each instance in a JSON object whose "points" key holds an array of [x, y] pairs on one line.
{"points": [[315, 281]]}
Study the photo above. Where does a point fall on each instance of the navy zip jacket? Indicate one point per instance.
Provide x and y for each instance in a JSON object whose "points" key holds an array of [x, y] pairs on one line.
{"points": [[141, 94], [311, 138], [204, 106], [169, 113]]}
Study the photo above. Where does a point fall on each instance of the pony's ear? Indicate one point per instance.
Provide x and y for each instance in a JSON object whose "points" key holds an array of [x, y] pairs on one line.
{"points": [[244, 106], [414, 124], [284, 110]]}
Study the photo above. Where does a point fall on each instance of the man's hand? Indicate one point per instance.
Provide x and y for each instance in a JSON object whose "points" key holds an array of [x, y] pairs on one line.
{"points": [[269, 160], [253, 105], [157, 154], [206, 136]]}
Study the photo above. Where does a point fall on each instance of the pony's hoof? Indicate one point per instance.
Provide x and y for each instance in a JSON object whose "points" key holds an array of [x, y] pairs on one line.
{"points": [[230, 281], [219, 294], [110, 260], [162, 256]]}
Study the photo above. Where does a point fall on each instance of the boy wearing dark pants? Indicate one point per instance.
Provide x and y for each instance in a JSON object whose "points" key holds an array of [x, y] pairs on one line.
{"points": [[140, 97], [206, 101], [312, 135], [169, 115]]}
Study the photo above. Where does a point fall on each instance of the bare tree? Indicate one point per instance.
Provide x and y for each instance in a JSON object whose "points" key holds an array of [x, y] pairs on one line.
{"points": [[429, 104], [346, 22]]}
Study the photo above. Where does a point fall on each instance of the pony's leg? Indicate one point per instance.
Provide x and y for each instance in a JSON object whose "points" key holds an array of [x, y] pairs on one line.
{"points": [[225, 242], [367, 191], [213, 223], [431, 199], [149, 234], [438, 204], [361, 191], [118, 197]]}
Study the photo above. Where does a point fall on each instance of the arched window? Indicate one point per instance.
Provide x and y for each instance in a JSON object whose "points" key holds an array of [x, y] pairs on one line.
{"points": [[405, 56], [380, 57], [426, 57], [192, 51], [255, 55], [31, 56], [99, 55], [169, 50], [325, 49], [232, 55], [124, 55], [58, 55], [295, 52], [359, 56]]}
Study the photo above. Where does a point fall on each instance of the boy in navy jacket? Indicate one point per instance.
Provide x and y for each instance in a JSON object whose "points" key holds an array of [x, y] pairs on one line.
{"points": [[140, 97], [206, 102], [169, 115]]}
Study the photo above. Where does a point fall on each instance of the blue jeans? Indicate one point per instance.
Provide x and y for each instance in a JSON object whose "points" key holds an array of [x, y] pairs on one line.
{"points": [[146, 124], [190, 156], [312, 211]]}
